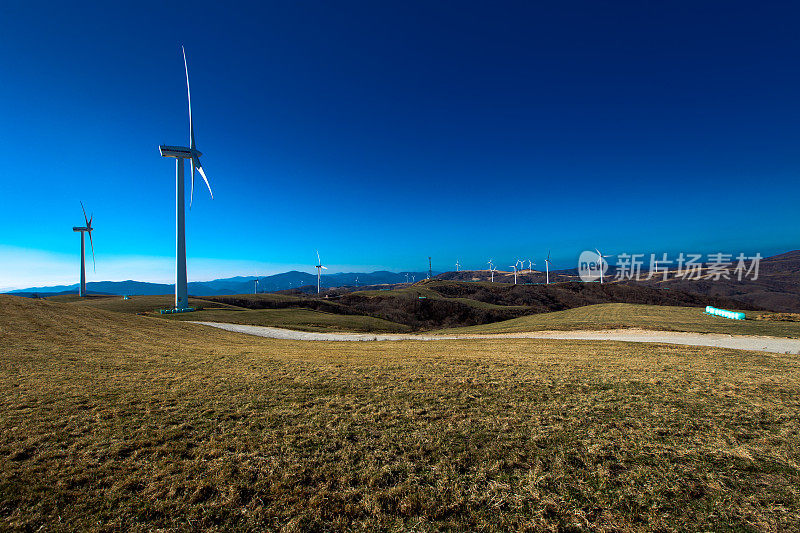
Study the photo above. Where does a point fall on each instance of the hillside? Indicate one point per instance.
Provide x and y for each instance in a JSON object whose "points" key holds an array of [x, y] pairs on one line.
{"points": [[650, 317], [777, 287], [439, 304]]}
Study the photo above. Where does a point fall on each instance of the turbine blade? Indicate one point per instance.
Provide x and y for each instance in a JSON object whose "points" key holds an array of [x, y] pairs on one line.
{"points": [[324, 268], [84, 215], [319, 261], [94, 265], [189, 97], [203, 174]]}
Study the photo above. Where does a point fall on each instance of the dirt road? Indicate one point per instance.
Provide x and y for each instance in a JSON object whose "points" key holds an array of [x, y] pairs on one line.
{"points": [[735, 342]]}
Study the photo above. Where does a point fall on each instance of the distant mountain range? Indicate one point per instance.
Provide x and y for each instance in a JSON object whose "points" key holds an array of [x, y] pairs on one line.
{"points": [[777, 287], [235, 285]]}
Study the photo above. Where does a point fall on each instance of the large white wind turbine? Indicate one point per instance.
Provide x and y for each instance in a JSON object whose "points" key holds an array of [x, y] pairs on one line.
{"points": [[255, 286], [84, 229], [319, 268], [547, 266], [180, 154], [514, 266]]}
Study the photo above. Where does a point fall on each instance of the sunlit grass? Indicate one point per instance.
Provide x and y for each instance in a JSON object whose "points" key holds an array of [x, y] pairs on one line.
{"points": [[129, 423], [655, 317]]}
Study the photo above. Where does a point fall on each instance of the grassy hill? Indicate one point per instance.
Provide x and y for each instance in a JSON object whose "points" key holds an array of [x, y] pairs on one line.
{"points": [[654, 317], [425, 306], [112, 421], [298, 319], [211, 311]]}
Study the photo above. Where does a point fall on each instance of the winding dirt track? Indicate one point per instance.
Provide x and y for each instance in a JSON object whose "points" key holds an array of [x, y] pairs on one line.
{"points": [[735, 342]]}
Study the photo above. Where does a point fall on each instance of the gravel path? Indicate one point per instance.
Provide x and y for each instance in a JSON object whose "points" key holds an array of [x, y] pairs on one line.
{"points": [[735, 342]]}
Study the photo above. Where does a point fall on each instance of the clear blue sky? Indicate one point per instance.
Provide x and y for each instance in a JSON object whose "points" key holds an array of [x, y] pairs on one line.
{"points": [[384, 132]]}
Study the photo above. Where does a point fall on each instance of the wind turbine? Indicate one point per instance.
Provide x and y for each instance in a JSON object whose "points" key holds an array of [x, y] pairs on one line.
{"points": [[530, 266], [491, 269], [458, 265], [180, 154], [406, 277], [547, 266], [319, 268], [255, 286], [83, 229], [514, 266], [602, 260]]}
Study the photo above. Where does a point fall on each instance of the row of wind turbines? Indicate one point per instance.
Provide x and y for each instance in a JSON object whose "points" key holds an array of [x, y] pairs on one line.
{"points": [[518, 267]]}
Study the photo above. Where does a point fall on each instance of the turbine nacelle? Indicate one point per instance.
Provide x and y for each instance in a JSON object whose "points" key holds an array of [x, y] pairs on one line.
{"points": [[179, 152]]}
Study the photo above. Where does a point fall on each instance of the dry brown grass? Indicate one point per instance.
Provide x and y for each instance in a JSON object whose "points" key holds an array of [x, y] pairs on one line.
{"points": [[779, 317], [120, 422], [651, 317]]}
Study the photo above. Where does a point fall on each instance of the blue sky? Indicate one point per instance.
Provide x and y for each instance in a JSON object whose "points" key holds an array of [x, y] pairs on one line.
{"points": [[384, 132]]}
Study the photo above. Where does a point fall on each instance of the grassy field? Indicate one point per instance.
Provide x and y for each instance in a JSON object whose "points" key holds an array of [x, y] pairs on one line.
{"points": [[655, 317], [297, 319], [136, 304], [120, 422]]}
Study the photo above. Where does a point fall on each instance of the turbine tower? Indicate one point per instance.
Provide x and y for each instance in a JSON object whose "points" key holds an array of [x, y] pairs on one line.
{"points": [[547, 266], [319, 268], [181, 153], [84, 229], [514, 266], [491, 269], [255, 286]]}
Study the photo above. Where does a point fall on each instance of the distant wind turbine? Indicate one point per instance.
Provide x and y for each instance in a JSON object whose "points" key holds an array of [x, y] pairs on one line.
{"points": [[547, 266], [458, 265], [491, 269], [602, 260], [530, 266], [319, 268], [514, 266], [180, 154], [84, 229], [406, 277]]}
